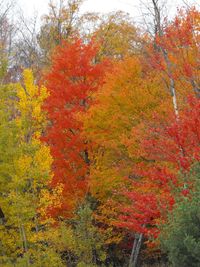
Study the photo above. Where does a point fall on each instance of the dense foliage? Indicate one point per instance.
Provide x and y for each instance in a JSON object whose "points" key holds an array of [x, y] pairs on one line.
{"points": [[100, 141]]}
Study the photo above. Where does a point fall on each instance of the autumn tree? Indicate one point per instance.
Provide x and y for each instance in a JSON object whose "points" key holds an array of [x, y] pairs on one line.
{"points": [[175, 53], [174, 137], [129, 95], [25, 172], [182, 48], [61, 23], [170, 149], [71, 81], [119, 150], [169, 146], [116, 33]]}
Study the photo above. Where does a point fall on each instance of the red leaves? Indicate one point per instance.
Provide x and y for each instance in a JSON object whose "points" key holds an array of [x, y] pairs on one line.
{"points": [[169, 149], [72, 78], [175, 52], [141, 215], [178, 142], [166, 145]]}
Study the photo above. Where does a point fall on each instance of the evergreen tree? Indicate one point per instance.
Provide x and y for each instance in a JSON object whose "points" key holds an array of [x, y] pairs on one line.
{"points": [[180, 237]]}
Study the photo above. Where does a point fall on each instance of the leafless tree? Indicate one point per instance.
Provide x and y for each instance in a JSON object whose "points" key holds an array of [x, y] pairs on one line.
{"points": [[27, 51], [7, 33]]}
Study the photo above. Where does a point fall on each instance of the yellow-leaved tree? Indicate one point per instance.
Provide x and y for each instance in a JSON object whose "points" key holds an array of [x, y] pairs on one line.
{"points": [[25, 170]]}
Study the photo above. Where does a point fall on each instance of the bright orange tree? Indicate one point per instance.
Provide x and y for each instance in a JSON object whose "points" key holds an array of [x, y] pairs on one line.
{"points": [[73, 77]]}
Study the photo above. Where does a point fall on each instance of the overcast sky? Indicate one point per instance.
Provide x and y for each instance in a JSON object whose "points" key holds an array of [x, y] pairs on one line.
{"points": [[130, 6]]}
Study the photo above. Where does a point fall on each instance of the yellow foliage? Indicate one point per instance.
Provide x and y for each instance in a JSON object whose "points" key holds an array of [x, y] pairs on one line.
{"points": [[31, 98], [26, 180]]}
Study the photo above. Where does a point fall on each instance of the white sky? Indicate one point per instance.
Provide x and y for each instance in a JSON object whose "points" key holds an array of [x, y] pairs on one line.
{"points": [[130, 6]]}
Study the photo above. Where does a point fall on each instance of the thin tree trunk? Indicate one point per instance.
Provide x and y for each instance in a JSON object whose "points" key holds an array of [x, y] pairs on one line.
{"points": [[25, 243], [135, 250], [196, 88], [171, 83], [174, 99], [159, 31], [23, 235]]}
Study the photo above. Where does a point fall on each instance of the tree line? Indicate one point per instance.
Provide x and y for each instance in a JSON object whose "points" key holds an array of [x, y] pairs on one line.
{"points": [[100, 138]]}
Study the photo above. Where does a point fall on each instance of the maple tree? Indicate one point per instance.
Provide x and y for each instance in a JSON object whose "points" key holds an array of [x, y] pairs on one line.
{"points": [[170, 150], [180, 40], [71, 81], [175, 53], [171, 144]]}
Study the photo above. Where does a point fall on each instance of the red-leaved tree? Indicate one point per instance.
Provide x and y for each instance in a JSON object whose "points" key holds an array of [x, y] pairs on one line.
{"points": [[73, 77], [170, 149]]}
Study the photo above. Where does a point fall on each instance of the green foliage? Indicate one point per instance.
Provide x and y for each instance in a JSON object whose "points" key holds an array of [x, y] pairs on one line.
{"points": [[89, 242], [180, 237], [81, 238], [3, 67]]}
